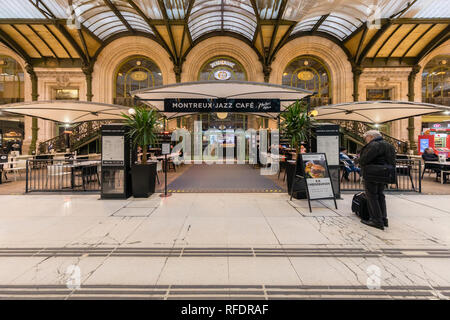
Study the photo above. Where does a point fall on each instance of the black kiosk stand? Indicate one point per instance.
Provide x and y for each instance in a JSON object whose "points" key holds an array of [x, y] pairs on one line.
{"points": [[116, 162]]}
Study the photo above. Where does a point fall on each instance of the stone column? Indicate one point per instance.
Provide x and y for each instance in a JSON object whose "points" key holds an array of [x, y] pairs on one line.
{"points": [[177, 69], [34, 96], [87, 70], [357, 71], [411, 80], [267, 70]]}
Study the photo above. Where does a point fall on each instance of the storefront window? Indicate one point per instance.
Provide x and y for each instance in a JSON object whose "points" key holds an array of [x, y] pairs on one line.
{"points": [[310, 73], [436, 81], [222, 69], [11, 91], [135, 73], [378, 94], [67, 94]]}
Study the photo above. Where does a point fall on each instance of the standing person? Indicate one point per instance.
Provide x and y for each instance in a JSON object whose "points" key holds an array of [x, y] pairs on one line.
{"points": [[376, 152]]}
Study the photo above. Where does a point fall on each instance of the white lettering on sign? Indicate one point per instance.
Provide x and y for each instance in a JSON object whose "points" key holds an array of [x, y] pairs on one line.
{"points": [[222, 63]]}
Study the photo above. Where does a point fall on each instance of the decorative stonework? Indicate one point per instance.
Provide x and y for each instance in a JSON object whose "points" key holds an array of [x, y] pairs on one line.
{"points": [[117, 51], [382, 82], [222, 46], [334, 57]]}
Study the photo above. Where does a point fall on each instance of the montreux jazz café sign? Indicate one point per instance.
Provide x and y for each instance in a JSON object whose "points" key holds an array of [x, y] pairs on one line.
{"points": [[221, 105]]}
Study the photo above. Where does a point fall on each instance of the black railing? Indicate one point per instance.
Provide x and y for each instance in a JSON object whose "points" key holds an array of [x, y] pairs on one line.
{"points": [[409, 178], [357, 130], [62, 176]]}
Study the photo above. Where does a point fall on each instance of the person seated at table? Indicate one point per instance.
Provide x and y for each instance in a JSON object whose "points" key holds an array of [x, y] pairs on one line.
{"points": [[349, 164], [429, 155]]}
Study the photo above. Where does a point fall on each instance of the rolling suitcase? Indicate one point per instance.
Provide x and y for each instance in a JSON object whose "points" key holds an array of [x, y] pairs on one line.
{"points": [[360, 207]]}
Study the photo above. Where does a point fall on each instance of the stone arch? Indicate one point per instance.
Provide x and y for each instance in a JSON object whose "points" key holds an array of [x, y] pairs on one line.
{"points": [[222, 46], [334, 57], [443, 49], [27, 80], [117, 51]]}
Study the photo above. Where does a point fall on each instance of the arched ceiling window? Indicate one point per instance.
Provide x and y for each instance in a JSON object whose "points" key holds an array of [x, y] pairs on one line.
{"points": [[222, 15], [222, 69], [11, 80], [310, 73], [436, 81], [136, 73]]}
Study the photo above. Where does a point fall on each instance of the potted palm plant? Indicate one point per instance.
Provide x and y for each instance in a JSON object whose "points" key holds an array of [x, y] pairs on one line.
{"points": [[296, 126], [143, 132]]}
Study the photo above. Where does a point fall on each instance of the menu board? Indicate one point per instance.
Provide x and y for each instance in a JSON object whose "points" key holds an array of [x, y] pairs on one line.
{"points": [[113, 150], [317, 175], [330, 146]]}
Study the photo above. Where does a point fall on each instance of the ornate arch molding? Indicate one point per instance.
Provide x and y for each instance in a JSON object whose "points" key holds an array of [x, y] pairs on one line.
{"points": [[333, 56], [117, 51], [222, 46], [443, 49], [27, 81]]}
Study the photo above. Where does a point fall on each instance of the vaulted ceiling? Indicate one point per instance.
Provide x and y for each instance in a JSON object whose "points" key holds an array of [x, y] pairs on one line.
{"points": [[73, 32]]}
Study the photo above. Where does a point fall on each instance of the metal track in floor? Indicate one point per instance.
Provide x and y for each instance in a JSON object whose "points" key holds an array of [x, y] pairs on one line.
{"points": [[223, 292], [223, 252]]}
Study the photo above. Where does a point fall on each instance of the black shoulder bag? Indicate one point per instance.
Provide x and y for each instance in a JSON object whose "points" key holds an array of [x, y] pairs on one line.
{"points": [[380, 173]]}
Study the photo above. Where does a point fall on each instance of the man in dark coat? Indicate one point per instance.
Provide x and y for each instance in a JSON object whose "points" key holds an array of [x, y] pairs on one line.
{"points": [[376, 151]]}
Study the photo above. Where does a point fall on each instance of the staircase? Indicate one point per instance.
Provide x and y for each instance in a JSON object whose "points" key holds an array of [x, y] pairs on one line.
{"points": [[355, 131], [82, 135]]}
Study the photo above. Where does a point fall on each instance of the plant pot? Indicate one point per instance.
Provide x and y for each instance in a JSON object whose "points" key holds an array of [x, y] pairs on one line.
{"points": [[143, 179], [300, 186]]}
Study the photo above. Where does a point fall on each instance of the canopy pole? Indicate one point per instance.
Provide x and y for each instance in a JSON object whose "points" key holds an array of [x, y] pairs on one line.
{"points": [[411, 94]]}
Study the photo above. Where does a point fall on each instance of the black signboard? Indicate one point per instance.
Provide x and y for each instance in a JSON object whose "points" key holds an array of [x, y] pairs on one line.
{"points": [[313, 169], [221, 105]]}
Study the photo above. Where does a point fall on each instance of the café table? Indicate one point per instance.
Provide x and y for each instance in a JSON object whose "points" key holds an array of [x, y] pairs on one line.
{"points": [[444, 168]]}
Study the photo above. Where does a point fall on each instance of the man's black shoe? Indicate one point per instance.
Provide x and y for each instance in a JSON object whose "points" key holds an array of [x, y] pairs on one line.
{"points": [[386, 222], [370, 223]]}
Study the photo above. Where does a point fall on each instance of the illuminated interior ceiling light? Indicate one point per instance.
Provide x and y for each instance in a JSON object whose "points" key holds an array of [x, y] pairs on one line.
{"points": [[222, 115], [377, 125], [447, 112], [444, 62], [138, 62], [306, 62], [131, 111]]}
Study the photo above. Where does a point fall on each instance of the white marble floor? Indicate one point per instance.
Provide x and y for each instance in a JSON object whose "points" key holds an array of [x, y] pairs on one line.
{"points": [[221, 245]]}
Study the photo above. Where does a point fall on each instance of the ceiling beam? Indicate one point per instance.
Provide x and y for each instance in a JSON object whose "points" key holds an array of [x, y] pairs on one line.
{"points": [[152, 26], [282, 41], [361, 41], [28, 40], [6, 39], [73, 43], [186, 21], [421, 21], [44, 10], [386, 40], [59, 41], [275, 30], [118, 15], [318, 23], [83, 42], [443, 36], [401, 41], [372, 41], [162, 7], [400, 13], [417, 40], [43, 40]]}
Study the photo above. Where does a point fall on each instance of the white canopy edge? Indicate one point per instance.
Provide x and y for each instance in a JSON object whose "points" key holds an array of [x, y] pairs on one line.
{"points": [[67, 111], [377, 112], [154, 97]]}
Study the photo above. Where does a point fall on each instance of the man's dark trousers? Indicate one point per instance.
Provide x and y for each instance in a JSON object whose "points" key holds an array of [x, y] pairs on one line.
{"points": [[376, 201]]}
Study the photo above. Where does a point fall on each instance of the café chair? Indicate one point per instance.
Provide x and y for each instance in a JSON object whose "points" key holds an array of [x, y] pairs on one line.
{"points": [[21, 165]]}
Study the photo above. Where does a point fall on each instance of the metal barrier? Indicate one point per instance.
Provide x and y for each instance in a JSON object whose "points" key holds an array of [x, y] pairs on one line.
{"points": [[409, 178], [63, 176]]}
